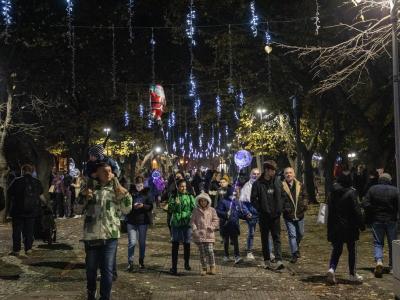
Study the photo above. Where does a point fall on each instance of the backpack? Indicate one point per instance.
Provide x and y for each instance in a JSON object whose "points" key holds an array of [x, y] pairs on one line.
{"points": [[31, 196]]}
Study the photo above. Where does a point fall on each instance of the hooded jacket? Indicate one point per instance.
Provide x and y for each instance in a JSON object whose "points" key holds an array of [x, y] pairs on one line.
{"points": [[294, 204], [381, 202], [345, 219], [266, 197], [204, 222], [181, 210]]}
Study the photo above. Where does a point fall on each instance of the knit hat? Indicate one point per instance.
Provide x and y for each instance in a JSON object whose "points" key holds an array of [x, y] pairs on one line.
{"points": [[203, 196], [385, 177], [97, 151], [270, 164]]}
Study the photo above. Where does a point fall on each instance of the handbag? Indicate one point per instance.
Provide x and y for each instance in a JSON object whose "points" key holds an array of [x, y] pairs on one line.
{"points": [[52, 188], [322, 217]]}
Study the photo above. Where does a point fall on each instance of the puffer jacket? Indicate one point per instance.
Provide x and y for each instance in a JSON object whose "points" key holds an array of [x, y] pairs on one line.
{"points": [[204, 222], [381, 203], [229, 213], [294, 208]]}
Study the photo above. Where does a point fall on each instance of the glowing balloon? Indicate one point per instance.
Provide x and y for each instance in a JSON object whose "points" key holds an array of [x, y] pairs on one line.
{"points": [[243, 159]]}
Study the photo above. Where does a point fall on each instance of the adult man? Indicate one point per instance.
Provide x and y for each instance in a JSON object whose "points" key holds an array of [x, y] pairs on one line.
{"points": [[245, 195], [381, 206], [266, 196], [25, 194], [102, 229], [294, 206]]}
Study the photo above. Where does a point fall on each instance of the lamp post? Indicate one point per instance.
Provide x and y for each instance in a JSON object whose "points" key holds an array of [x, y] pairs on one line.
{"points": [[107, 131], [395, 55]]}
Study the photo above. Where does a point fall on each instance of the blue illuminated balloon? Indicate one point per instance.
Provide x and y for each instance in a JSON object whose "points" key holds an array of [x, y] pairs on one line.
{"points": [[156, 174], [243, 159]]}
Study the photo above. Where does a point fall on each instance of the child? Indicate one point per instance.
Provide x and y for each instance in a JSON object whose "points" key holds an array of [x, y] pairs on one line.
{"points": [[229, 213], [204, 222]]}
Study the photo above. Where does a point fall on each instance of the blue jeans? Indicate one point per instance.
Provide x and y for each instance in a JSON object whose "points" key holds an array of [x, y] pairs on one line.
{"points": [[135, 233], [103, 257], [250, 235], [379, 231], [295, 230]]}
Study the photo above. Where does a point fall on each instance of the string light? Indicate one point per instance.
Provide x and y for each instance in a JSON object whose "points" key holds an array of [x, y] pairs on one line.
{"points": [[71, 42], [316, 18], [218, 106], [5, 11], [126, 113], [196, 107], [130, 21], [241, 98], [231, 89], [192, 85], [254, 18], [236, 115], [174, 146], [190, 18], [153, 60], [141, 110], [150, 122]]}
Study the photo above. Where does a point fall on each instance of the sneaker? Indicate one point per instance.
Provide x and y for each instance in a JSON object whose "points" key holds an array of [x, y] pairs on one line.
{"points": [[250, 256], [356, 278], [141, 263], [293, 260], [226, 259], [187, 267], [378, 269], [173, 272], [77, 216], [129, 268], [238, 259], [272, 257], [267, 264], [14, 253], [28, 252], [330, 277], [279, 265], [203, 272]]}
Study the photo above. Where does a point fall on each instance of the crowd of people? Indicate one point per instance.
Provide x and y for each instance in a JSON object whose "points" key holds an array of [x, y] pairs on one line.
{"points": [[200, 206]]}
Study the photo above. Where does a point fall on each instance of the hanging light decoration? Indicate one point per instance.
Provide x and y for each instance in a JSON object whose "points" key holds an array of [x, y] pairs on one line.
{"points": [[153, 60], [192, 85], [174, 146], [190, 28], [231, 88], [114, 65], [130, 20], [218, 106], [71, 41], [240, 98], [141, 110], [268, 42], [316, 18], [254, 18], [6, 10]]}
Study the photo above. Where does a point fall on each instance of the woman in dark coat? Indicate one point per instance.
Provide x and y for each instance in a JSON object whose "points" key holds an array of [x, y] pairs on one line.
{"points": [[138, 221], [345, 221]]}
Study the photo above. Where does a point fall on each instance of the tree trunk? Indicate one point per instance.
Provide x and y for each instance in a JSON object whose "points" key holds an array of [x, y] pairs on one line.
{"points": [[309, 175], [3, 161]]}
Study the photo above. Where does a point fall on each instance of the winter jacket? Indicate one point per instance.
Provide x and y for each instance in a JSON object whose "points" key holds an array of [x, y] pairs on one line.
{"points": [[142, 215], [91, 166], [181, 210], [204, 222], [266, 197], [294, 201], [381, 203], [245, 197], [103, 213], [24, 194], [229, 213], [345, 219]]}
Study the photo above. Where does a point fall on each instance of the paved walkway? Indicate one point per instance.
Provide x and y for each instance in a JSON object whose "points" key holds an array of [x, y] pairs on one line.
{"points": [[57, 272]]}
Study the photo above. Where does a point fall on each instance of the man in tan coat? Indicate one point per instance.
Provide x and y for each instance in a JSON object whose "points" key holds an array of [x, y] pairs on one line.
{"points": [[294, 207]]}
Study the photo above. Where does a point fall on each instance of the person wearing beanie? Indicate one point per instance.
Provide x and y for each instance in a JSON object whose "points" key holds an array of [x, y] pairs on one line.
{"points": [[96, 156], [381, 207], [345, 220], [204, 223]]}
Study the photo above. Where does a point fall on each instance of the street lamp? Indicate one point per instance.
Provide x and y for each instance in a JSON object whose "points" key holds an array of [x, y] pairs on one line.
{"points": [[261, 112], [157, 149], [107, 131], [395, 55]]}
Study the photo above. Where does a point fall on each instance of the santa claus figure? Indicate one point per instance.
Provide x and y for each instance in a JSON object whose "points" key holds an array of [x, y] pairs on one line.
{"points": [[157, 101]]}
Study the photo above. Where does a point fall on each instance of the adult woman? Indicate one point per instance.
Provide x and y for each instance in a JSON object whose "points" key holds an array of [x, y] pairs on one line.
{"points": [[138, 221], [180, 206], [214, 186]]}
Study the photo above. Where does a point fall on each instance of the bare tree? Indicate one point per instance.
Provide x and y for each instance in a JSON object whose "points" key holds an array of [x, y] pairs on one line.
{"points": [[363, 41]]}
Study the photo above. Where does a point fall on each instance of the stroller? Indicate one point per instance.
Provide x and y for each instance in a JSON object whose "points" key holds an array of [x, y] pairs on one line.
{"points": [[45, 226]]}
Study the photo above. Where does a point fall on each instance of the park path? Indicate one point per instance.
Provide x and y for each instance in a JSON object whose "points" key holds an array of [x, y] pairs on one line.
{"points": [[57, 272]]}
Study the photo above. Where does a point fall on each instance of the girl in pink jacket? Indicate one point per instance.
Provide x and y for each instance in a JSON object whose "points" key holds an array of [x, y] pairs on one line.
{"points": [[204, 222]]}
